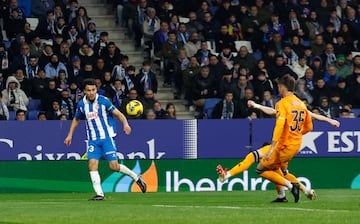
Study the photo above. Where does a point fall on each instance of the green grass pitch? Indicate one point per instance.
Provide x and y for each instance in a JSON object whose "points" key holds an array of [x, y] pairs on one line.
{"points": [[332, 206]]}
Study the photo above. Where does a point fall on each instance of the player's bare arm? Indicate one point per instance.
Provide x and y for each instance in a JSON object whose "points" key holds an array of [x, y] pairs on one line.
{"points": [[122, 118], [74, 124], [271, 111]]}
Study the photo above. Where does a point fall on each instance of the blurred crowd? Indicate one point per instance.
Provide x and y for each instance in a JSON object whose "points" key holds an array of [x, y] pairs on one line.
{"points": [[214, 54]]}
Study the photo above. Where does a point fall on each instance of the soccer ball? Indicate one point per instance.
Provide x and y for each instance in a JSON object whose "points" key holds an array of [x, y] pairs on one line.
{"points": [[134, 108]]}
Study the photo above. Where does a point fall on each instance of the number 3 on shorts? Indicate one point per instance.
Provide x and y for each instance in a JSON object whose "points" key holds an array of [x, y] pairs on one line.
{"points": [[91, 148]]}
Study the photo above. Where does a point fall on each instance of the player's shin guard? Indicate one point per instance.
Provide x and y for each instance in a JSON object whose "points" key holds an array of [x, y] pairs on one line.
{"points": [[249, 159]]}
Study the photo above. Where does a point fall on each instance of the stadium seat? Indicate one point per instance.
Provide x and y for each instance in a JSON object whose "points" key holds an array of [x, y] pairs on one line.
{"points": [[356, 111], [34, 104], [34, 22], [32, 114], [240, 43], [209, 106], [12, 115]]}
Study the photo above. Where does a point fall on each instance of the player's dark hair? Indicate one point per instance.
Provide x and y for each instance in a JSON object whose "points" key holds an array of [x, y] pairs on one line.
{"points": [[89, 82], [288, 81]]}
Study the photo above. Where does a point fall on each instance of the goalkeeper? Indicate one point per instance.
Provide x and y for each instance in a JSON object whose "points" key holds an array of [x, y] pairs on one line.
{"points": [[255, 156]]}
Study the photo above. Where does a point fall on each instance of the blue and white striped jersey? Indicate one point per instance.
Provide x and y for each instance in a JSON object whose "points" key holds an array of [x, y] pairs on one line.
{"points": [[100, 123]]}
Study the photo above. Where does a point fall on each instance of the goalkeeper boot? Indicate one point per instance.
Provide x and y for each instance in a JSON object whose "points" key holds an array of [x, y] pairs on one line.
{"points": [[97, 198], [141, 183], [311, 194], [295, 191], [280, 200], [222, 173]]}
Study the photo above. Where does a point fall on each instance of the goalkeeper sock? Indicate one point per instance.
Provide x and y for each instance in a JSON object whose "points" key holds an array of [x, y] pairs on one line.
{"points": [[281, 191], [276, 178], [243, 165], [293, 179], [124, 169], [96, 182]]}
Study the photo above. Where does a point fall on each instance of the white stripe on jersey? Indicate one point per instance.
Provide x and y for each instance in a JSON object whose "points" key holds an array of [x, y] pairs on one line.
{"points": [[91, 130], [110, 128]]}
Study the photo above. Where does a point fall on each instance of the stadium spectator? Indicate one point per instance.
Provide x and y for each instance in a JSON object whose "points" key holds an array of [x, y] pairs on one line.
{"points": [[170, 111], [160, 37], [102, 43], [169, 53], [183, 35], [20, 115], [138, 22], [146, 80], [67, 105], [217, 69], [92, 35], [46, 27], [14, 25], [49, 94], [150, 114], [204, 87], [39, 84], [159, 111], [54, 66], [25, 83], [313, 25], [6, 59], [181, 64], [112, 56], [194, 25], [81, 20], [245, 59], [71, 11], [203, 54], [39, 8], [223, 38], [45, 57], [41, 116], [188, 75], [228, 108], [71, 35], [86, 55], [240, 86], [55, 111], [224, 12], [211, 27], [193, 45], [13, 97], [235, 28], [4, 112], [119, 93]]}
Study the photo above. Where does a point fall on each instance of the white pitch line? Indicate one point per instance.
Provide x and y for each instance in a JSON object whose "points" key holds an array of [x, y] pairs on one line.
{"points": [[252, 208]]}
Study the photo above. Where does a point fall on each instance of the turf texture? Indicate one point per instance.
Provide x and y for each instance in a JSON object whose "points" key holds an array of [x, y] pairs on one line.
{"points": [[332, 206]]}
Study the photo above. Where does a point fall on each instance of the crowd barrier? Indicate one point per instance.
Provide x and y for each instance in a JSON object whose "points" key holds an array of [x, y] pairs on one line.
{"points": [[173, 139]]}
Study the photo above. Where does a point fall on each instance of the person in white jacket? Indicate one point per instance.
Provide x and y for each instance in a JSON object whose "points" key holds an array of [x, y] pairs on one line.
{"points": [[14, 97]]}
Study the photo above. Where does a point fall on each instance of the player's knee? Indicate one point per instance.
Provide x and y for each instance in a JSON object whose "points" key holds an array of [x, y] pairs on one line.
{"points": [[114, 167]]}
